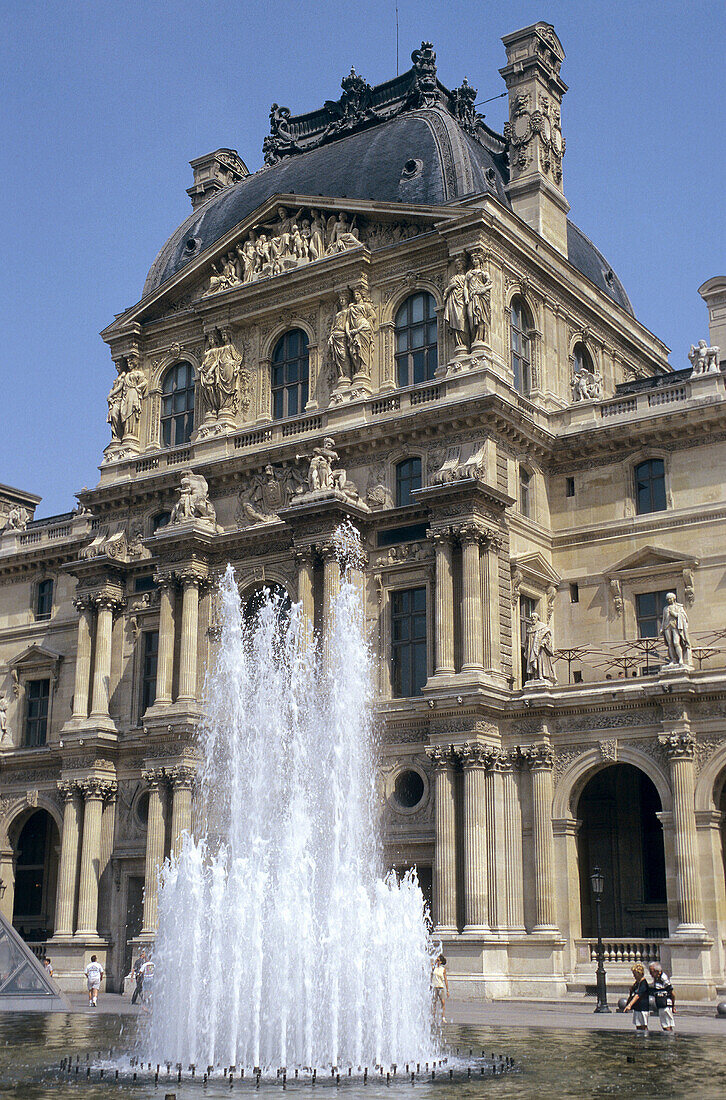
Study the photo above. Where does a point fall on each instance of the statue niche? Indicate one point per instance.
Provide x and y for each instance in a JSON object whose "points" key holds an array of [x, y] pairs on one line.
{"points": [[351, 343], [467, 306], [125, 401]]}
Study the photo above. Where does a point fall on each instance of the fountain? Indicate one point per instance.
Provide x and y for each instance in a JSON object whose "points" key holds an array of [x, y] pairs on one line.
{"points": [[280, 943]]}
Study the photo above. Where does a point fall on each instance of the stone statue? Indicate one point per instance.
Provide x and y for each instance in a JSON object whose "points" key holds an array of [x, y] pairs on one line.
{"points": [[341, 236], [704, 359], [540, 650], [194, 502], [134, 392], [4, 731], [219, 374], [455, 306], [115, 401], [674, 629], [317, 235], [267, 493], [478, 298], [360, 320], [324, 476], [338, 339], [587, 386], [16, 519]]}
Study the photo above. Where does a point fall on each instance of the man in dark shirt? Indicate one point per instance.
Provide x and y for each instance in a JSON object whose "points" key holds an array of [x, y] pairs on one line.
{"points": [[139, 976], [639, 998]]}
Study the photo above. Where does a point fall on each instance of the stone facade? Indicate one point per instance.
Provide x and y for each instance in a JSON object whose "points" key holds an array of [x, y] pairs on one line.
{"points": [[487, 486]]}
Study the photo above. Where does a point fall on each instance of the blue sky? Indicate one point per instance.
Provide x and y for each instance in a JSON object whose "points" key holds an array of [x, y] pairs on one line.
{"points": [[106, 102]]}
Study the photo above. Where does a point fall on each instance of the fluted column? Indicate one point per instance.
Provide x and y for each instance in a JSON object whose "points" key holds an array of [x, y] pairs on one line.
{"points": [[512, 866], [444, 603], [105, 607], [93, 793], [68, 859], [472, 649], [475, 759], [305, 590], [154, 849], [541, 760], [493, 809], [445, 841], [331, 584], [108, 821], [492, 637], [182, 778], [165, 659], [84, 606], [189, 636], [680, 748]]}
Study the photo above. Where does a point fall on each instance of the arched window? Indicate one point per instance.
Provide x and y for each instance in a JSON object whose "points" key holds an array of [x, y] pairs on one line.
{"points": [[525, 492], [161, 519], [408, 477], [177, 405], [520, 325], [290, 374], [581, 359], [650, 493], [416, 347]]}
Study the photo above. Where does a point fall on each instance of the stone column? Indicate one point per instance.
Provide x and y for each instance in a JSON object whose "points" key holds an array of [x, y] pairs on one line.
{"points": [[680, 748], [512, 867], [165, 660], [471, 605], [474, 759], [305, 590], [182, 779], [494, 837], [189, 637], [331, 583], [84, 606], [154, 849], [541, 760], [445, 842], [444, 603], [68, 860], [314, 358], [108, 821], [492, 639], [105, 607], [93, 795]]}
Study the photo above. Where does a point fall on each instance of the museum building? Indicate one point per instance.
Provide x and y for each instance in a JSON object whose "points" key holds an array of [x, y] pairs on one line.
{"points": [[394, 321]]}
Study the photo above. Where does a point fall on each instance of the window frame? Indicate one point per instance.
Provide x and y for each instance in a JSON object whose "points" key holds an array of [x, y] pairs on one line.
{"points": [[404, 360], [37, 720], [301, 384], [414, 643], [171, 419], [43, 616], [587, 361], [525, 500], [656, 617], [521, 344], [649, 481], [399, 481], [147, 681]]}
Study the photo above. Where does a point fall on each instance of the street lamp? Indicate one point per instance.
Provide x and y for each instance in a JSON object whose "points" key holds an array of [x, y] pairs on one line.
{"points": [[598, 884]]}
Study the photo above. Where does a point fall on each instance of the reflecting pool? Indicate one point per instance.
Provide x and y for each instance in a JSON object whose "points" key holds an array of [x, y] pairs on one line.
{"points": [[550, 1064]]}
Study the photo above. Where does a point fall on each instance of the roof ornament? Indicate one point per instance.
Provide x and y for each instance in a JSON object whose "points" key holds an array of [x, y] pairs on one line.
{"points": [[424, 85], [353, 107], [462, 101]]}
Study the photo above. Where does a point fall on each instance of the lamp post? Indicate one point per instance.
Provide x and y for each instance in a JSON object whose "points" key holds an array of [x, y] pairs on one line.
{"points": [[598, 883]]}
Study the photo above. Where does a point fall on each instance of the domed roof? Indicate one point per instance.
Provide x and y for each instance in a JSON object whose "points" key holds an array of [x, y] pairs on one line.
{"points": [[409, 140]]}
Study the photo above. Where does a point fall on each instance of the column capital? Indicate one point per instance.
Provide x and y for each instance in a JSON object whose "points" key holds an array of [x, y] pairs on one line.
{"points": [[474, 755], [191, 578], [93, 788], [83, 602], [440, 758], [678, 746], [181, 777], [68, 789], [155, 777], [165, 578], [108, 601], [540, 757], [303, 555], [440, 536]]}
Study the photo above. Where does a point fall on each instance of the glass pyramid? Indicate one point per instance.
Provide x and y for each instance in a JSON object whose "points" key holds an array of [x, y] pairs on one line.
{"points": [[24, 982]]}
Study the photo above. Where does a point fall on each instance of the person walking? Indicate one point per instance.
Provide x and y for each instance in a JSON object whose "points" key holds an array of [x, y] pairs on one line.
{"points": [[439, 983], [147, 979], [139, 977], [94, 975], [639, 998], [47, 966], [665, 1000]]}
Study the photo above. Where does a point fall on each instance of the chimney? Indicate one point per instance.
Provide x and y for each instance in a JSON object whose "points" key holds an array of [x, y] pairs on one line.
{"points": [[213, 172], [534, 134]]}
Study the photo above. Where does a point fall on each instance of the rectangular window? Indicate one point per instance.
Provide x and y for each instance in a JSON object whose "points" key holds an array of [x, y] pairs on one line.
{"points": [[37, 695], [44, 599], [408, 641], [570, 487], [150, 655], [577, 676], [574, 593], [648, 610], [527, 608]]}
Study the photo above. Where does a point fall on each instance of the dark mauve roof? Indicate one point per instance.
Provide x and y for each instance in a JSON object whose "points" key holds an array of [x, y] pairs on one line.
{"points": [[370, 165]]}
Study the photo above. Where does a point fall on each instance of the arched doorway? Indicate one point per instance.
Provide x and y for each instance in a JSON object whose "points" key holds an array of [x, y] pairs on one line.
{"points": [[36, 877], [621, 834]]}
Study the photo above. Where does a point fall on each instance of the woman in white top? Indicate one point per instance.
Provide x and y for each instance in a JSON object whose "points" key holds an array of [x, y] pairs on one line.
{"points": [[439, 983]]}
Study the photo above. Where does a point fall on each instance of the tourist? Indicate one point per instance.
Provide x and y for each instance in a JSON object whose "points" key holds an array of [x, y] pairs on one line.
{"points": [[147, 981], [94, 975], [439, 982], [139, 977], [665, 1001], [639, 998], [47, 966]]}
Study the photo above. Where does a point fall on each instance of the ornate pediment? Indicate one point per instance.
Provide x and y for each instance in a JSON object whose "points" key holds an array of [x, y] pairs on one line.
{"points": [[651, 559], [537, 570], [36, 657]]}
